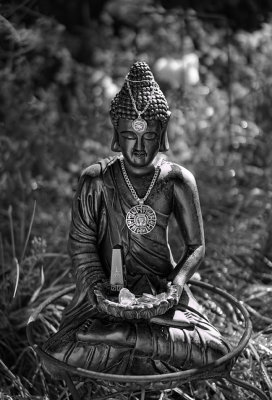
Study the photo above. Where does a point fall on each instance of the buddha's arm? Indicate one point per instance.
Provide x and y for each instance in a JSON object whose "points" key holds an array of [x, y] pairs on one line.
{"points": [[82, 242], [186, 208]]}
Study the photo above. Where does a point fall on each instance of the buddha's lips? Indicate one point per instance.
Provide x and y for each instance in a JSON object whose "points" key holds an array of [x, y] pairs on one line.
{"points": [[139, 153]]}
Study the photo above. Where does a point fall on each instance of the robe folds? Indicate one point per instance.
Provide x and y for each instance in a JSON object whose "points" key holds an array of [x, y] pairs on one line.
{"points": [[89, 339]]}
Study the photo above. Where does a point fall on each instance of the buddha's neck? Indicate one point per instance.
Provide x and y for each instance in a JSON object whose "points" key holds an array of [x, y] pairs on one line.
{"points": [[140, 181], [138, 172]]}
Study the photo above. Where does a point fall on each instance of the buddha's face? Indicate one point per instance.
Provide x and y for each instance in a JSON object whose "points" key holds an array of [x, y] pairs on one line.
{"points": [[139, 149]]}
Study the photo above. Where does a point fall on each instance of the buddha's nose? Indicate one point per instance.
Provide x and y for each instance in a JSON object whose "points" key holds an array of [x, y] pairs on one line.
{"points": [[139, 144]]}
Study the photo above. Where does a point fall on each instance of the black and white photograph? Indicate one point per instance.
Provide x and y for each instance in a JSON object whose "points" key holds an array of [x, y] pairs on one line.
{"points": [[135, 200]]}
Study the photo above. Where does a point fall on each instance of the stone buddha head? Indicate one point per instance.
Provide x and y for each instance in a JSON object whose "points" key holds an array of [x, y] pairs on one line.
{"points": [[140, 115]]}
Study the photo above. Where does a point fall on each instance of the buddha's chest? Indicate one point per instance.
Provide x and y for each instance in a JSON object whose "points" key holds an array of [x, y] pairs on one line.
{"points": [[160, 197]]}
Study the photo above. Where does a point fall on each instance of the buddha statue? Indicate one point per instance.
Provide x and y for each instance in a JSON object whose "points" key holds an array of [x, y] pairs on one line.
{"points": [[121, 209]]}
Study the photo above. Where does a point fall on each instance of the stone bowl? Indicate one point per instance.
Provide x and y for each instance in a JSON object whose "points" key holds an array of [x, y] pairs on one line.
{"points": [[112, 307]]}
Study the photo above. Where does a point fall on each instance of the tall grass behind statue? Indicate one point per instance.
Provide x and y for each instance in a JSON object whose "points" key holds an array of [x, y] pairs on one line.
{"points": [[21, 290], [46, 99]]}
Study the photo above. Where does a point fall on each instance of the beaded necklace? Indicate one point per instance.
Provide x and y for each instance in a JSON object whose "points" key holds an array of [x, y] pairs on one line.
{"points": [[140, 219]]}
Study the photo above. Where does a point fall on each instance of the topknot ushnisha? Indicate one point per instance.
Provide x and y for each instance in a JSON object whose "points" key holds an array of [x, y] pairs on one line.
{"points": [[145, 92]]}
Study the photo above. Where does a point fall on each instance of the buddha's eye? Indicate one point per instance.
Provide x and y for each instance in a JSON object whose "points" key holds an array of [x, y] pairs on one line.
{"points": [[150, 136], [128, 135]]}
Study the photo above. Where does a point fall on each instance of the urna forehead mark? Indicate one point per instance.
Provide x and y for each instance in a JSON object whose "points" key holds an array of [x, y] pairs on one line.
{"points": [[127, 124], [139, 125]]}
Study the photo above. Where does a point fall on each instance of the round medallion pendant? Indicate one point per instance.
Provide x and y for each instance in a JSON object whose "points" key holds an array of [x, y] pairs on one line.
{"points": [[139, 125], [141, 219]]}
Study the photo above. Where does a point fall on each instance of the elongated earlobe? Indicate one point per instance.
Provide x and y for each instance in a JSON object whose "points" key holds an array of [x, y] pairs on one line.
{"points": [[115, 143], [164, 144]]}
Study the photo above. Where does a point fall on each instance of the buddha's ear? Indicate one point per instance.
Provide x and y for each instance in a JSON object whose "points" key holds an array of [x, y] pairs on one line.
{"points": [[164, 144], [115, 140]]}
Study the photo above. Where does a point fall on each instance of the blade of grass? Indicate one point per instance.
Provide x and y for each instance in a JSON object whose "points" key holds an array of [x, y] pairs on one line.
{"points": [[44, 384], [29, 231], [37, 291], [49, 255], [17, 266], [15, 380], [263, 368], [48, 324], [252, 311], [15, 261], [3, 267], [9, 350], [59, 278], [11, 231], [2, 257]]}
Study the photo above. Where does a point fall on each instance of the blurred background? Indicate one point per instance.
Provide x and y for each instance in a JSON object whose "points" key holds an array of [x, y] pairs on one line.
{"points": [[61, 63]]}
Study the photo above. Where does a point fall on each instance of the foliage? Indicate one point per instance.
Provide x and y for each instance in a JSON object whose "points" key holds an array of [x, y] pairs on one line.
{"points": [[242, 14], [54, 121], [47, 114], [75, 16]]}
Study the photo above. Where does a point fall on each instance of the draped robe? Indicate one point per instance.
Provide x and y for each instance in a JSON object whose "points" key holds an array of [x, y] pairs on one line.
{"points": [[98, 224]]}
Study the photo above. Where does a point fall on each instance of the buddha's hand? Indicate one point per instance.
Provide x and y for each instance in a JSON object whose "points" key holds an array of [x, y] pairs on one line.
{"points": [[92, 297], [174, 291], [92, 293]]}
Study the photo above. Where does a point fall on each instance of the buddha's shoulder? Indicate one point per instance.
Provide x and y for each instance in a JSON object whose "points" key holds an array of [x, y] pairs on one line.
{"points": [[96, 170], [91, 172], [177, 174]]}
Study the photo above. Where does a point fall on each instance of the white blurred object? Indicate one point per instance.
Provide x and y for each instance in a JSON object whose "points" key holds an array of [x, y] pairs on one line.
{"points": [[178, 72], [109, 86]]}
